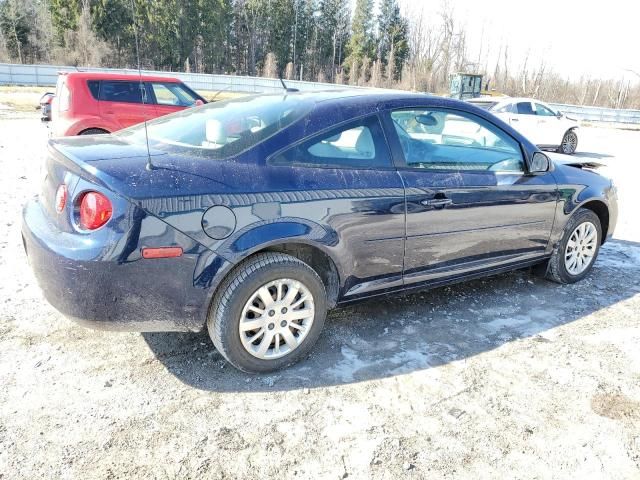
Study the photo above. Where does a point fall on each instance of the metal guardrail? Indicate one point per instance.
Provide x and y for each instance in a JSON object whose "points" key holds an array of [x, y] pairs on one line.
{"points": [[46, 75], [599, 114]]}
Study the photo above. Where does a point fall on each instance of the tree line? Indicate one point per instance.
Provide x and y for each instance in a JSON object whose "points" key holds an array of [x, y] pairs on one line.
{"points": [[319, 40]]}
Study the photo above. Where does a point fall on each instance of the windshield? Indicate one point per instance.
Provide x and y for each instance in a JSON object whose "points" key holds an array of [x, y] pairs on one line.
{"points": [[221, 129]]}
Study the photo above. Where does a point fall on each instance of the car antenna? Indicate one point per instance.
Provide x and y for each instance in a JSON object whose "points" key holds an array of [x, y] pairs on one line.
{"points": [[286, 89], [149, 165]]}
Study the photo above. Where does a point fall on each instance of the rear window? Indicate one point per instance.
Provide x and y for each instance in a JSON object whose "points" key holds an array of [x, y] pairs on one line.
{"points": [[485, 105], [221, 129], [63, 94], [128, 92]]}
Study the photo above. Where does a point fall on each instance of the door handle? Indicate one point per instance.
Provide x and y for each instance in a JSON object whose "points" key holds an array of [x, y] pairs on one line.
{"points": [[436, 202], [515, 120]]}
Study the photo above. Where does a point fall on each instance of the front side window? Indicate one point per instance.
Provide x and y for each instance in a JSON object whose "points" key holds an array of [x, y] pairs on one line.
{"points": [[543, 111], [358, 144], [445, 140], [221, 129], [128, 92], [172, 94], [524, 108]]}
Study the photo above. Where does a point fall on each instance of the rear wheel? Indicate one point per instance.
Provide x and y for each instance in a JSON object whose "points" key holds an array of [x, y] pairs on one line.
{"points": [[575, 254], [569, 143], [268, 314], [93, 131]]}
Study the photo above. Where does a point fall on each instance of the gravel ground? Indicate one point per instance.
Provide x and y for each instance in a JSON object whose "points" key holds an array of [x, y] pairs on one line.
{"points": [[506, 377]]}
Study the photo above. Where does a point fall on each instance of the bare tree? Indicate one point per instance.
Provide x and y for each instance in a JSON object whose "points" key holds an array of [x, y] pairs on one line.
{"points": [[270, 69], [14, 14], [288, 71], [4, 52], [376, 73]]}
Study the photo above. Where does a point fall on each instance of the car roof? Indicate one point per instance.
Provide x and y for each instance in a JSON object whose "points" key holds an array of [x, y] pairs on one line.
{"points": [[373, 99], [336, 106], [118, 76]]}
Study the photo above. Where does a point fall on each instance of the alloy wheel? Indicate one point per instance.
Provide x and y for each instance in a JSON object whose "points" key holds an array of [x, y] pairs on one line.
{"points": [[569, 142]]}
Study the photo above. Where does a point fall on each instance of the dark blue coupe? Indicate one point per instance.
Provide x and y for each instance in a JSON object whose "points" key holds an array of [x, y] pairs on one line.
{"points": [[256, 215]]}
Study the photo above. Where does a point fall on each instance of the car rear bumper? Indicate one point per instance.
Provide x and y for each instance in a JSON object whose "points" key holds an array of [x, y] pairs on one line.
{"points": [[93, 286]]}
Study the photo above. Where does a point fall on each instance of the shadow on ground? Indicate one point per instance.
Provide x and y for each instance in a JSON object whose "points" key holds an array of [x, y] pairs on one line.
{"points": [[401, 334]]}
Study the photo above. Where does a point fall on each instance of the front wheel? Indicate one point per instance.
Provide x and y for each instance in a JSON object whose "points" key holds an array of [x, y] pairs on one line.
{"points": [[569, 143], [268, 314], [575, 254]]}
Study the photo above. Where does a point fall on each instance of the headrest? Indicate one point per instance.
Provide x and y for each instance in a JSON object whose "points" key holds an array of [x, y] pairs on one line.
{"points": [[365, 145], [215, 132]]}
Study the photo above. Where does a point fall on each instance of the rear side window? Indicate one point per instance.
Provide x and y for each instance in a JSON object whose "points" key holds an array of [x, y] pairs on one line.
{"points": [[94, 88], [129, 92], [358, 144]]}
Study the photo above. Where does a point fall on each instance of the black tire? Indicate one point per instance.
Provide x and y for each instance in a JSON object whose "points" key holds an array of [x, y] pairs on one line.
{"points": [[569, 143], [93, 131], [236, 290], [557, 269]]}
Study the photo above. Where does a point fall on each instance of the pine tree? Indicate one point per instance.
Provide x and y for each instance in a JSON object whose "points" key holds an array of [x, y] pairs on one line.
{"points": [[393, 44], [64, 15], [14, 23], [333, 31], [361, 43]]}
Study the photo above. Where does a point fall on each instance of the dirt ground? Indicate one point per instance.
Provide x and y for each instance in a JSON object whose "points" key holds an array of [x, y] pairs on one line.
{"points": [[506, 377]]}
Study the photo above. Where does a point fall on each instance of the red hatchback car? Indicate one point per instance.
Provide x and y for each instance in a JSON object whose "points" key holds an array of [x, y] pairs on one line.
{"points": [[93, 103]]}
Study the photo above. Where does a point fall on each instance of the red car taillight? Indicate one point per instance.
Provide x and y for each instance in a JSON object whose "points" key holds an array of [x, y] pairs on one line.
{"points": [[95, 210], [61, 198]]}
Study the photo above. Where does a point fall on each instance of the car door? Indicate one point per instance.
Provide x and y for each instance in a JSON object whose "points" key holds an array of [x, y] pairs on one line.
{"points": [[345, 183], [470, 203], [170, 97], [549, 125], [523, 119], [124, 103]]}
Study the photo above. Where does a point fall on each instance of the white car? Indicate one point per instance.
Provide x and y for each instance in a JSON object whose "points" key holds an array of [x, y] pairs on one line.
{"points": [[536, 120]]}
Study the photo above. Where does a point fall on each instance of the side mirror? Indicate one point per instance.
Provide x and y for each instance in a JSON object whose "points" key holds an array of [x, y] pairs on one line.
{"points": [[198, 102], [427, 120], [539, 163], [559, 114]]}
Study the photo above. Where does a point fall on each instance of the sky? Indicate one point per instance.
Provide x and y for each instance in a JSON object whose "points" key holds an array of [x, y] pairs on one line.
{"points": [[595, 38]]}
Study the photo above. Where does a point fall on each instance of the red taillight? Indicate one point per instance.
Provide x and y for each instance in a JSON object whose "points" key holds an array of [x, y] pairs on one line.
{"points": [[95, 210], [61, 198]]}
